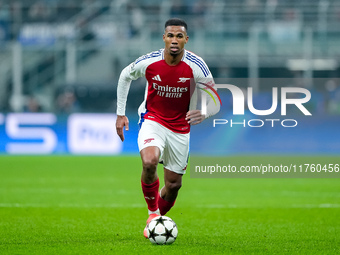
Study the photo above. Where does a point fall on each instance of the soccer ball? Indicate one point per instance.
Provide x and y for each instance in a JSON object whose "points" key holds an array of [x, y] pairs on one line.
{"points": [[162, 230]]}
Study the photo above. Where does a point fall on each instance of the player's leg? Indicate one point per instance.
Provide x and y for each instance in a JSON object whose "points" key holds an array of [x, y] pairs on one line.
{"points": [[151, 144], [150, 157], [175, 158], [150, 182], [168, 194]]}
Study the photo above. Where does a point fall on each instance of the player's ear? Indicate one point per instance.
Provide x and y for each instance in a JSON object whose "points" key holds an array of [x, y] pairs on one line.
{"points": [[186, 39], [163, 37]]}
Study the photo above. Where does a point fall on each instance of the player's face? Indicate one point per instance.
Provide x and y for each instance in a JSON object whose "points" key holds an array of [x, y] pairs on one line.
{"points": [[175, 37]]}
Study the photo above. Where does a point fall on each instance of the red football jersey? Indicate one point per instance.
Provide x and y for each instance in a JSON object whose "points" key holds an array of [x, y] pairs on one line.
{"points": [[169, 88]]}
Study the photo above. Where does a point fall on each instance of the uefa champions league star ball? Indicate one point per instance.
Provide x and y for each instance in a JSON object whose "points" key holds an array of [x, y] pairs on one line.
{"points": [[162, 230]]}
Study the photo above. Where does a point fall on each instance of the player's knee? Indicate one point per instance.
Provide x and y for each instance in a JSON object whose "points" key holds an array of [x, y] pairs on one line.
{"points": [[174, 186], [150, 164]]}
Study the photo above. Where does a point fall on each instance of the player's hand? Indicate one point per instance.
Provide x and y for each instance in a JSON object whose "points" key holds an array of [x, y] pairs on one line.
{"points": [[194, 117], [121, 122]]}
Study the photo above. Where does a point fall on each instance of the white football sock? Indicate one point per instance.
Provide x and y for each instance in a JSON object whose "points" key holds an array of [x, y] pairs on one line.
{"points": [[152, 212]]}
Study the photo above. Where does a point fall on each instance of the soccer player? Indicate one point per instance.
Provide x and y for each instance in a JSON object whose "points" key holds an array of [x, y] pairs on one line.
{"points": [[168, 110]]}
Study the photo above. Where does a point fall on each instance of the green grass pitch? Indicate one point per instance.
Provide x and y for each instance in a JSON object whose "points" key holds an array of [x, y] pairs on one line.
{"points": [[94, 205]]}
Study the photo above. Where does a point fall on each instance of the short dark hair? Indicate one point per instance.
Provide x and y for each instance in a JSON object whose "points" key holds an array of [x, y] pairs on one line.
{"points": [[176, 22]]}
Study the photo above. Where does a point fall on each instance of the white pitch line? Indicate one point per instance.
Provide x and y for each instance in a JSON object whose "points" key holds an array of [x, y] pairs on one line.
{"points": [[137, 205], [17, 205], [317, 206], [302, 206]]}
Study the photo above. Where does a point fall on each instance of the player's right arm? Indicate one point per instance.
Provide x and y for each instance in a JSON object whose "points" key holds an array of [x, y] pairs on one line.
{"points": [[129, 73], [121, 122]]}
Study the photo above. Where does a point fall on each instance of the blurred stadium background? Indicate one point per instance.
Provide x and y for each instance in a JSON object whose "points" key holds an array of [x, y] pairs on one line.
{"points": [[59, 65], [62, 59]]}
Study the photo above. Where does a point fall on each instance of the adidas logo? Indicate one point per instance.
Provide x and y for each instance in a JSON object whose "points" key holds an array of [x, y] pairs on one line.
{"points": [[157, 78]]}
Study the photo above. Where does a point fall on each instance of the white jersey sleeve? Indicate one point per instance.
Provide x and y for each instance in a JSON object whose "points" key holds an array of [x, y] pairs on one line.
{"points": [[208, 84], [132, 72], [129, 73], [203, 77]]}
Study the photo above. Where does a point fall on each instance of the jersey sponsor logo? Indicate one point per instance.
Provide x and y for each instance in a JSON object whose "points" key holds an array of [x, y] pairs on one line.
{"points": [[157, 78], [148, 140], [168, 91], [183, 80]]}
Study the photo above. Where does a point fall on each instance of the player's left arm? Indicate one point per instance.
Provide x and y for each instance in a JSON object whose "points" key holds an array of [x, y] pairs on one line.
{"points": [[213, 102], [194, 117], [206, 84]]}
